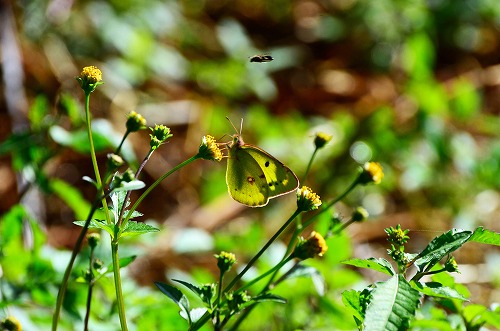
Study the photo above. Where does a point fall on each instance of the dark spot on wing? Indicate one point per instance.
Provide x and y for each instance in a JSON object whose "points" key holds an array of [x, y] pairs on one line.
{"points": [[262, 176], [251, 180]]}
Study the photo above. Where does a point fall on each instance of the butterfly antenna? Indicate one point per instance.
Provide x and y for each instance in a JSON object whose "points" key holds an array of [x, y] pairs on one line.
{"points": [[241, 125], [236, 130]]}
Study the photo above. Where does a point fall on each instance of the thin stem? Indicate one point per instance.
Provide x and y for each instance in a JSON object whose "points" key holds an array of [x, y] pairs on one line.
{"points": [[118, 284], [67, 273], [89, 293], [127, 196], [217, 301], [274, 269], [262, 250], [121, 142], [310, 164]]}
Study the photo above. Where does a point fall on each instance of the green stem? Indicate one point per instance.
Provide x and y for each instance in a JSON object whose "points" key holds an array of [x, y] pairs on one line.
{"points": [[76, 249], [262, 250], [118, 284], [217, 301], [67, 272], [272, 270], [121, 142], [89, 292], [310, 164]]}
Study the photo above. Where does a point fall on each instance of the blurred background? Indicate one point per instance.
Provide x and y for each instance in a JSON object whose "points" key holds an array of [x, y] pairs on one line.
{"points": [[414, 85]]}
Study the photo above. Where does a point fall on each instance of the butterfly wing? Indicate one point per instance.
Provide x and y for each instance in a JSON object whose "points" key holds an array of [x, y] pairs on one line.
{"points": [[279, 178], [246, 181]]}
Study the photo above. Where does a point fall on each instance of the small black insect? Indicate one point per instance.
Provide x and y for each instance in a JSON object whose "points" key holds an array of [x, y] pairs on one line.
{"points": [[261, 58]]}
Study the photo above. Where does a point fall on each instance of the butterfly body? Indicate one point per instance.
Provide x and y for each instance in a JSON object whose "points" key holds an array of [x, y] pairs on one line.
{"points": [[254, 176]]}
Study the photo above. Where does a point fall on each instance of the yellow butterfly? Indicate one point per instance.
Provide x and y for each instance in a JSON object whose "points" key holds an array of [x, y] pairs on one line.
{"points": [[254, 176]]}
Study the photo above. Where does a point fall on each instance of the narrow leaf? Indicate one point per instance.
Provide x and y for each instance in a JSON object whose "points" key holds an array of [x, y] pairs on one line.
{"points": [[130, 186], [134, 228], [440, 247], [381, 265], [195, 289], [269, 297], [392, 305], [176, 296]]}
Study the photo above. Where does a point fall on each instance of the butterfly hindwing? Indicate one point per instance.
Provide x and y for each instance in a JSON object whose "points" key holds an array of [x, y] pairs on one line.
{"points": [[279, 178]]}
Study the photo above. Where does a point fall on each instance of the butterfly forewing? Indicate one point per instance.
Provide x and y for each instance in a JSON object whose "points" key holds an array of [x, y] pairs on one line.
{"points": [[279, 178]]}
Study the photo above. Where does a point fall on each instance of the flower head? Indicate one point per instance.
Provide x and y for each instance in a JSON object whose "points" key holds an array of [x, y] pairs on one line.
{"points": [[371, 173], [397, 235], [135, 122], [10, 323], [89, 79], [321, 139], [209, 150], [359, 214], [225, 261], [93, 239], [115, 161], [315, 245], [236, 299], [307, 200], [160, 133]]}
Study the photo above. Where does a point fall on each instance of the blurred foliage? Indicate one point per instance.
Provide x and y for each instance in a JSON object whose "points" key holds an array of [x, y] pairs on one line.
{"points": [[414, 85]]}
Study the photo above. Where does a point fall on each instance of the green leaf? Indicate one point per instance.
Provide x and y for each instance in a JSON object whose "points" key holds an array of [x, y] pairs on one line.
{"points": [[351, 300], [123, 262], [310, 272], [381, 265], [177, 297], [73, 109], [440, 247], [486, 237], [38, 111], [269, 297], [98, 224], [197, 313], [78, 140], [130, 186], [71, 196], [195, 289], [435, 289], [392, 305], [134, 228]]}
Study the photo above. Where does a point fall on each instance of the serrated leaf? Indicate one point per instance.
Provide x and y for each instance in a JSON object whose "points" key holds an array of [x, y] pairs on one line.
{"points": [[436, 289], [486, 237], [381, 265], [134, 228], [98, 224], [176, 296], [195, 289], [440, 247], [269, 297], [135, 214], [350, 299], [392, 305]]}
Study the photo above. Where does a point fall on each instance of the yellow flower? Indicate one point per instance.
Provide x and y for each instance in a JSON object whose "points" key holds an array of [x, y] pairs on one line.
{"points": [[91, 74], [10, 323], [372, 173], [307, 200], [321, 139], [89, 79], [315, 245], [209, 150]]}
